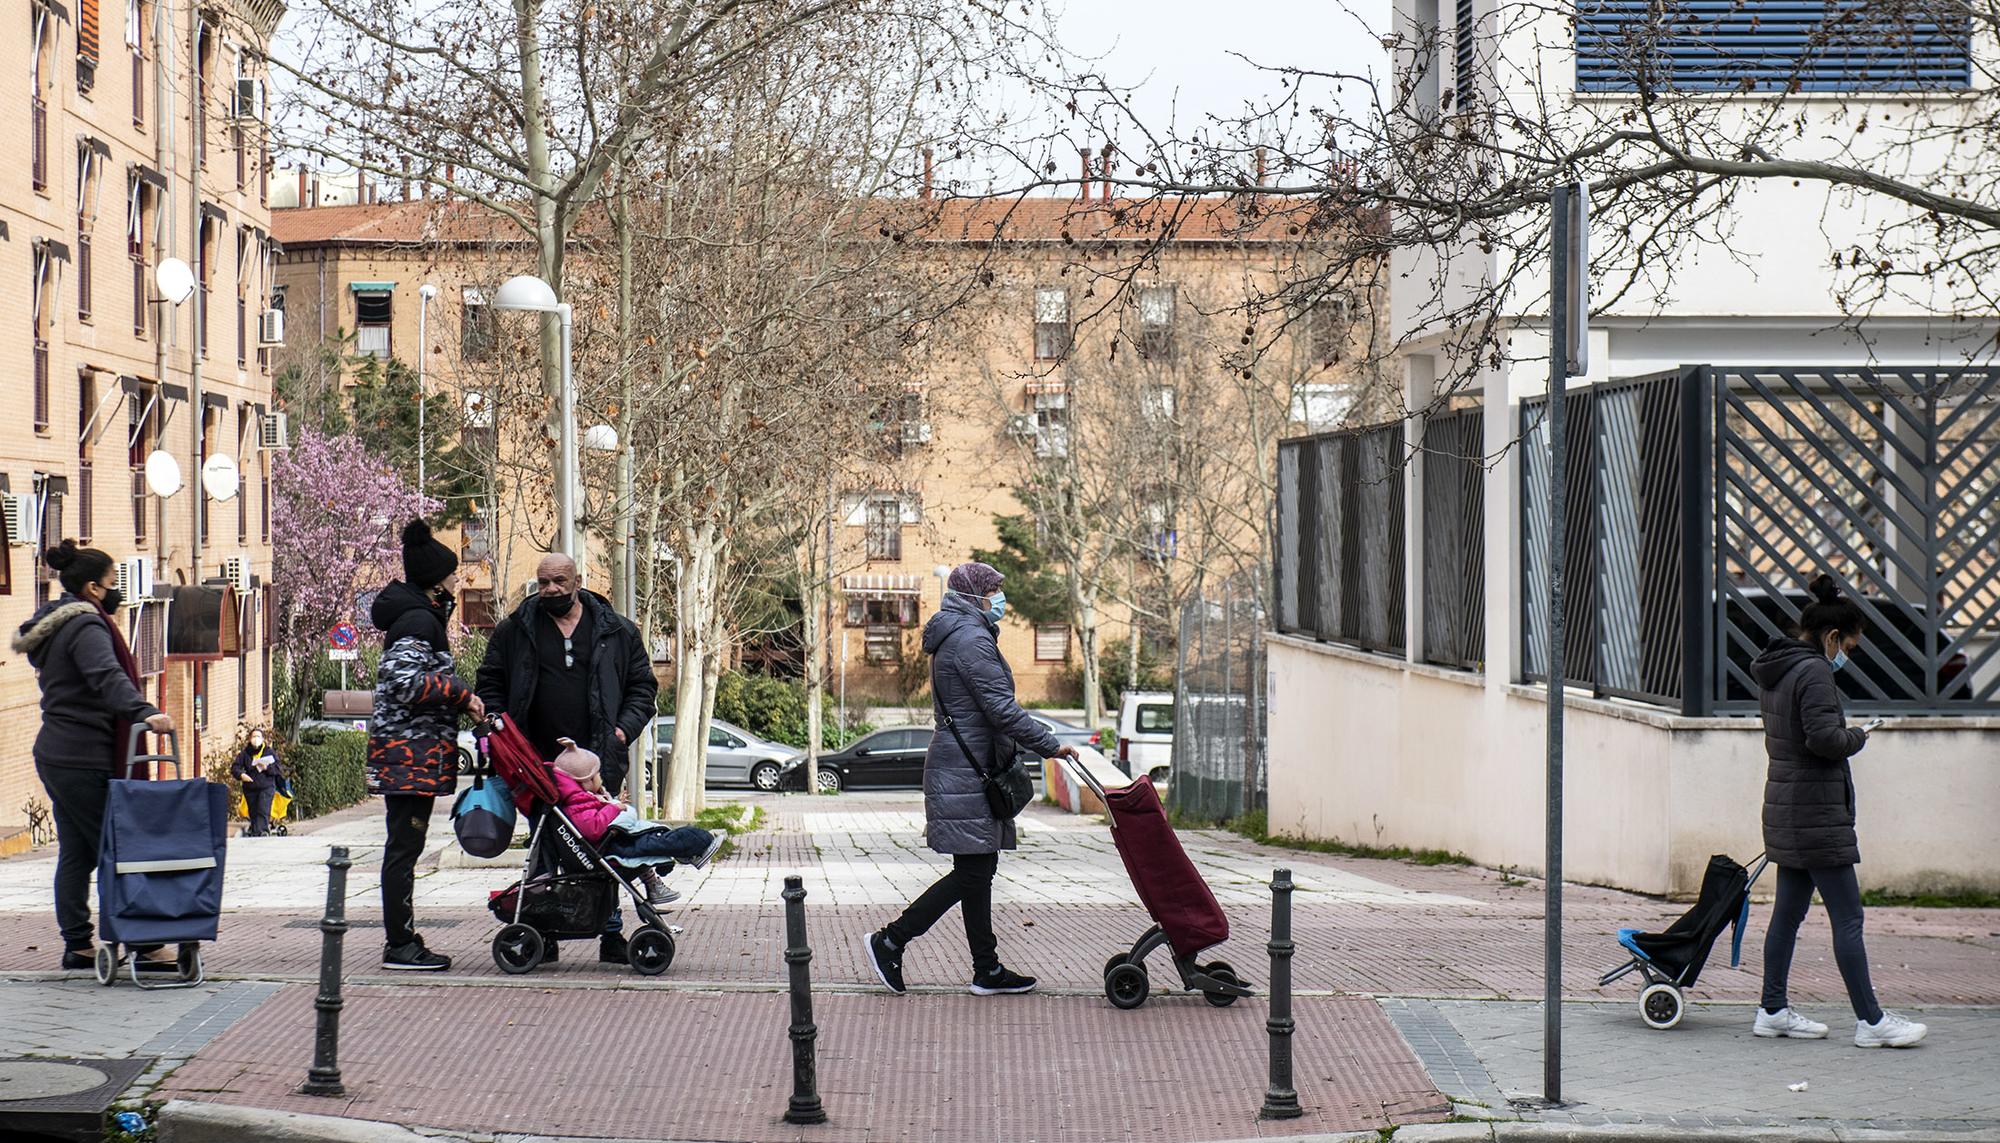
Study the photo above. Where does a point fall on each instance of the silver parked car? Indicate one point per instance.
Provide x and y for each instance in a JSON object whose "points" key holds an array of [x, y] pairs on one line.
{"points": [[736, 757]]}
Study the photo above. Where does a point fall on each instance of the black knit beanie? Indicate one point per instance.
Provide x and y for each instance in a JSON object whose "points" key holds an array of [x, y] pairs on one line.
{"points": [[426, 562]]}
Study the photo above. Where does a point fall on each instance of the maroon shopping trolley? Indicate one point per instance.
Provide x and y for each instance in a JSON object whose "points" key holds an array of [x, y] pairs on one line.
{"points": [[1187, 921]]}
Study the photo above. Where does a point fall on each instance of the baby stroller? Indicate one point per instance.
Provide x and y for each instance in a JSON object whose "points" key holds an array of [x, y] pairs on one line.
{"points": [[1186, 917], [1671, 961], [567, 889], [159, 868]]}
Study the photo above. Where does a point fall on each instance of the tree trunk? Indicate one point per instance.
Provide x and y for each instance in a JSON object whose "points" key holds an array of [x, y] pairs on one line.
{"points": [[813, 605], [1086, 636], [696, 595]]}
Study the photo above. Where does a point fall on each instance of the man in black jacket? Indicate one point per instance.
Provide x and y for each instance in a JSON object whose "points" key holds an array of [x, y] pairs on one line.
{"points": [[565, 665]]}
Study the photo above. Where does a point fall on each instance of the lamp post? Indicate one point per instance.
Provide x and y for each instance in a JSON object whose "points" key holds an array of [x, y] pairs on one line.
{"points": [[527, 292], [425, 293]]}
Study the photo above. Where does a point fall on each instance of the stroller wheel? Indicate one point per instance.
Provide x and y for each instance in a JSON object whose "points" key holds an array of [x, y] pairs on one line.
{"points": [[650, 951], [517, 949], [106, 966], [1126, 986], [1219, 970], [1661, 1005], [1116, 960]]}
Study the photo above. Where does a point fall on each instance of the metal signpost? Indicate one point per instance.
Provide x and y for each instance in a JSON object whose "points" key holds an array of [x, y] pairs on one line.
{"points": [[1569, 336]]}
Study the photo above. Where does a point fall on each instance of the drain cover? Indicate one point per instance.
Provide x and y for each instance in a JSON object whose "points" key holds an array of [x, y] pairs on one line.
{"points": [[35, 1079]]}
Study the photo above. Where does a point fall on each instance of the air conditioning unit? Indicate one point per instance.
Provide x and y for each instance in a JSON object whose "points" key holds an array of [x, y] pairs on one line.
{"points": [[249, 98], [23, 512], [236, 569], [916, 432], [1021, 425], [274, 432], [135, 578], [271, 328]]}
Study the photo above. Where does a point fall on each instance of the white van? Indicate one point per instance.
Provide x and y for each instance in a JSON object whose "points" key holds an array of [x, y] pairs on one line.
{"points": [[1146, 734]]}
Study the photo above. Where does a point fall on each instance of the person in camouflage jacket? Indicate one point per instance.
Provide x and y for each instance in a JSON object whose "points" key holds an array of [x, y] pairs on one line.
{"points": [[413, 737]]}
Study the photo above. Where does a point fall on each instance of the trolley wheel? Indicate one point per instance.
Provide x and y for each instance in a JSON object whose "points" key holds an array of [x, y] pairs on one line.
{"points": [[1126, 985], [517, 949], [1116, 960], [1661, 1006], [188, 959], [1220, 970], [650, 951], [107, 965]]}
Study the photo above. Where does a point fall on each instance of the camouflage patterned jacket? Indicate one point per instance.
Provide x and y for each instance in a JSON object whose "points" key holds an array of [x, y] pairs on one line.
{"points": [[413, 737]]}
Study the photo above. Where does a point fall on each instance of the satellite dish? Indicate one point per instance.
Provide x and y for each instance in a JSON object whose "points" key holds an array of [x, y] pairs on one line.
{"points": [[175, 280], [219, 477], [163, 473], [600, 438]]}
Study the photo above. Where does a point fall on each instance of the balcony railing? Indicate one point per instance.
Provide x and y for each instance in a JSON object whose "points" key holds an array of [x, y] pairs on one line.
{"points": [[139, 306], [38, 143], [139, 505], [41, 385], [86, 501], [84, 277]]}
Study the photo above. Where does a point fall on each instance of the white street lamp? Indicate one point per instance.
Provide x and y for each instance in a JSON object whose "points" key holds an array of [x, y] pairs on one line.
{"points": [[425, 293], [527, 292]]}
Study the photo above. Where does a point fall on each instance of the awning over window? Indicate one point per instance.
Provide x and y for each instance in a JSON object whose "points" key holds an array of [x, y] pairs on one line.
{"points": [[371, 287], [880, 586]]}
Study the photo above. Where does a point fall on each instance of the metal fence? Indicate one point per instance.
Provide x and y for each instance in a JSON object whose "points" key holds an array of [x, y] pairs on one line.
{"points": [[1219, 703], [1454, 536], [1340, 576], [1703, 501]]}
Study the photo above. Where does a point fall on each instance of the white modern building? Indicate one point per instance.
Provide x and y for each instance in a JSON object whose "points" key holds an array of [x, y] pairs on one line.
{"points": [[1735, 434]]}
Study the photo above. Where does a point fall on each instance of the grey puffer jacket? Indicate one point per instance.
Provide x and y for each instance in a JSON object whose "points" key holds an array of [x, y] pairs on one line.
{"points": [[1809, 792], [85, 693], [972, 683]]}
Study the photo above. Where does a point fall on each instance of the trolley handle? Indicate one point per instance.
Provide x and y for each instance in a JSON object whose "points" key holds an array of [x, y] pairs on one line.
{"points": [[133, 758]]}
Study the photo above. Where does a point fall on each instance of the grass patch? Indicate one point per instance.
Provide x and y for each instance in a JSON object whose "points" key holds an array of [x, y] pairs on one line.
{"points": [[728, 816], [1969, 899], [1256, 827]]}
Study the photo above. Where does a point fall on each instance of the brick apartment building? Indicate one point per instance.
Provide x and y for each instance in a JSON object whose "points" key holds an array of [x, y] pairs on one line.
{"points": [[143, 127]]}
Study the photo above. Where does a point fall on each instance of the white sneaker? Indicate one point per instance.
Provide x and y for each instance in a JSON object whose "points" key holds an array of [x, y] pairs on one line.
{"points": [[1786, 1022], [714, 845], [1891, 1031]]}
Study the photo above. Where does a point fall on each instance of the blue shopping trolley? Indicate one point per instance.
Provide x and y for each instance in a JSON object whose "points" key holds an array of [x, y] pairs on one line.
{"points": [[159, 868]]}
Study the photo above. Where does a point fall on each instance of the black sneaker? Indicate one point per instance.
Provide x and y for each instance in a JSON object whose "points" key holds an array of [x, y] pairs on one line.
{"points": [[79, 960], [611, 948], [888, 962], [551, 949], [1000, 982], [413, 957]]}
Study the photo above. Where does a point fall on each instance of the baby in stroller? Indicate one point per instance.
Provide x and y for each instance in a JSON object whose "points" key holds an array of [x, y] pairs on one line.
{"points": [[618, 831]]}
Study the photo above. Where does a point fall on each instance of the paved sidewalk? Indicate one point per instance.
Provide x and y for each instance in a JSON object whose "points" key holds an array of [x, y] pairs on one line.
{"points": [[1405, 973]]}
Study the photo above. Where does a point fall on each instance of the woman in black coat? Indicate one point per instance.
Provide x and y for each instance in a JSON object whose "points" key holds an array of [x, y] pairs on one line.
{"points": [[1809, 816], [972, 685], [90, 694], [257, 769]]}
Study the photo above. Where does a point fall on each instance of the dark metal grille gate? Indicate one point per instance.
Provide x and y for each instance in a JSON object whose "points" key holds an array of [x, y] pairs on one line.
{"points": [[1454, 528], [1340, 537]]}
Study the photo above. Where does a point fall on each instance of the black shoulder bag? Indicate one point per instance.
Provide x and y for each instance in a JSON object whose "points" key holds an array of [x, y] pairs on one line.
{"points": [[1008, 787]]}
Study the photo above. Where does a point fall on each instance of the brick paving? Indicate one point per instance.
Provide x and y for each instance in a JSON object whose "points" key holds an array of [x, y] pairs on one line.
{"points": [[1428, 939]]}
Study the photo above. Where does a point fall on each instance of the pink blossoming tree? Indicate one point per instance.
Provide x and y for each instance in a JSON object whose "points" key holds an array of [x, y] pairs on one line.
{"points": [[336, 512]]}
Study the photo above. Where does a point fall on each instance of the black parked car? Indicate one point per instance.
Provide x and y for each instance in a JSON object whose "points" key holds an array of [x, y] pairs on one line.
{"points": [[887, 759], [1881, 657]]}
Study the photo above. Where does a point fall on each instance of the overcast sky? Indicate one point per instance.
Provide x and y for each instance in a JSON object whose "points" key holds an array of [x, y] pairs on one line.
{"points": [[1184, 54]]}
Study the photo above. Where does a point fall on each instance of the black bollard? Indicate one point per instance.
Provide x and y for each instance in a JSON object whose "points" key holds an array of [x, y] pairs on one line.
{"points": [[1281, 1100], [805, 1106], [324, 1076]]}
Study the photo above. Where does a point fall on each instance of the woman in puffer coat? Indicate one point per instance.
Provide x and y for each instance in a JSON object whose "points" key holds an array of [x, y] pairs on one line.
{"points": [[413, 737], [1809, 816], [972, 685]]}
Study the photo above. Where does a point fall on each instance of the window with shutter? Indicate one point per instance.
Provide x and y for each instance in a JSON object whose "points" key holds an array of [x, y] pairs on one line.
{"points": [[1772, 45], [87, 47], [1051, 642]]}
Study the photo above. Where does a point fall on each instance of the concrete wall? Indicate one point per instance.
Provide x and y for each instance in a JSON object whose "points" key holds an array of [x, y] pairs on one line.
{"points": [[1377, 751]]}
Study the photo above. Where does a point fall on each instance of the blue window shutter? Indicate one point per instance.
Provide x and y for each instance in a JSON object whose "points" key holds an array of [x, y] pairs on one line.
{"points": [[1462, 52], [1770, 45]]}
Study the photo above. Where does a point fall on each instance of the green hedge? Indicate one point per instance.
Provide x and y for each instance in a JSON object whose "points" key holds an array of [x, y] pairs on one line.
{"points": [[328, 770]]}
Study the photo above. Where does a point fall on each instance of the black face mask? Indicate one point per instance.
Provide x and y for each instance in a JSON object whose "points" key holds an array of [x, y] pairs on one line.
{"points": [[557, 606], [113, 600]]}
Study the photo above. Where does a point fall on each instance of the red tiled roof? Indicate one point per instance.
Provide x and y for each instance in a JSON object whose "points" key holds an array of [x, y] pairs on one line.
{"points": [[416, 222]]}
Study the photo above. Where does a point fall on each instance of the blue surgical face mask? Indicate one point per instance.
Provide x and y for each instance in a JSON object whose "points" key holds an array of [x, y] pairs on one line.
{"points": [[998, 606], [1839, 659]]}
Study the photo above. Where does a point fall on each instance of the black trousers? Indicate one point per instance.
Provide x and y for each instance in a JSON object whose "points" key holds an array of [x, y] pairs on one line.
{"points": [[1842, 894], [409, 819], [969, 885], [77, 799], [259, 803]]}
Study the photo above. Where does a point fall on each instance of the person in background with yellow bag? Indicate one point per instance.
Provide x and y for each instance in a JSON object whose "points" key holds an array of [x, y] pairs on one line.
{"points": [[258, 769]]}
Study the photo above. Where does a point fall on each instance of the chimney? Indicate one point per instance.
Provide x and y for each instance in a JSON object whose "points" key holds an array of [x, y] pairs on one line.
{"points": [[1260, 166], [1083, 192], [403, 192], [927, 174], [1109, 151], [450, 177]]}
